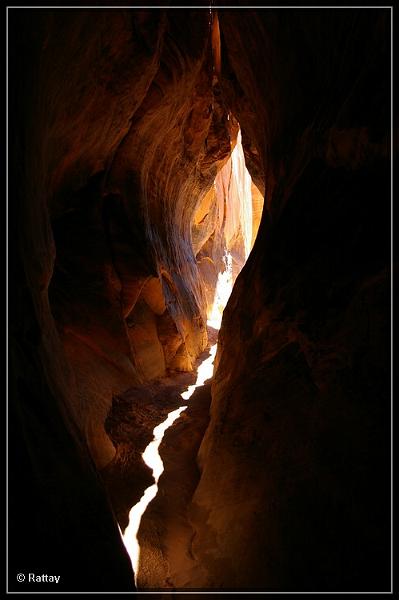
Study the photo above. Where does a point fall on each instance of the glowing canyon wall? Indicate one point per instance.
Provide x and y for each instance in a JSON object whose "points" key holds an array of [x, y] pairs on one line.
{"points": [[123, 140]]}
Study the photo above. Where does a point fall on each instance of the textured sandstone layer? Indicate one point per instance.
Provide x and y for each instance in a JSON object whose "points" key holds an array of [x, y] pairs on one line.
{"points": [[126, 130]]}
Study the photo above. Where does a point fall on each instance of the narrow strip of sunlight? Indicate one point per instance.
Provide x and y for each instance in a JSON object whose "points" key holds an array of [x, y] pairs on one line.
{"points": [[224, 287], [239, 203], [243, 183], [153, 460]]}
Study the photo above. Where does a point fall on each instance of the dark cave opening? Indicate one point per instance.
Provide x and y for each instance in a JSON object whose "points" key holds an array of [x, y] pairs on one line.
{"points": [[129, 132]]}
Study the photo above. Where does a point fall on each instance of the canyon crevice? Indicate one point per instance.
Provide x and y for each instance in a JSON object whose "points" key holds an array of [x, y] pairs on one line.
{"points": [[126, 127]]}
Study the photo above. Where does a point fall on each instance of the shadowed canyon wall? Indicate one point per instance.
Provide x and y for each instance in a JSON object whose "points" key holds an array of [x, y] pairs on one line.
{"points": [[295, 462], [120, 121]]}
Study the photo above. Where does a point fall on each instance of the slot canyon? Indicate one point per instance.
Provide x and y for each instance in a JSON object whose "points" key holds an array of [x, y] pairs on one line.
{"points": [[199, 299]]}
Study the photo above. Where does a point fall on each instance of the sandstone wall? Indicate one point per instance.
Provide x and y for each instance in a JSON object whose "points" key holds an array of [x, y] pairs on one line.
{"points": [[295, 461]]}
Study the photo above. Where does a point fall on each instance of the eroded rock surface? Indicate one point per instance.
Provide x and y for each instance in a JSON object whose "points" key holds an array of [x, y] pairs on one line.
{"points": [[126, 130]]}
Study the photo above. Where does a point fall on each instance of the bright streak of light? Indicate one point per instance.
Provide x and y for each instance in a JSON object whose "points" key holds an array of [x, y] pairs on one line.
{"points": [[205, 371], [243, 184], [130, 535], [153, 460], [224, 287], [239, 218]]}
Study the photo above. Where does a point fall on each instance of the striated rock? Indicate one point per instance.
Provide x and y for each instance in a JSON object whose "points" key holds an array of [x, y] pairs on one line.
{"points": [[146, 347], [126, 130]]}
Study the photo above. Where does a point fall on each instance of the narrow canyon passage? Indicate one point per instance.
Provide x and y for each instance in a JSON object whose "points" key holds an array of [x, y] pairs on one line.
{"points": [[240, 205], [196, 192]]}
